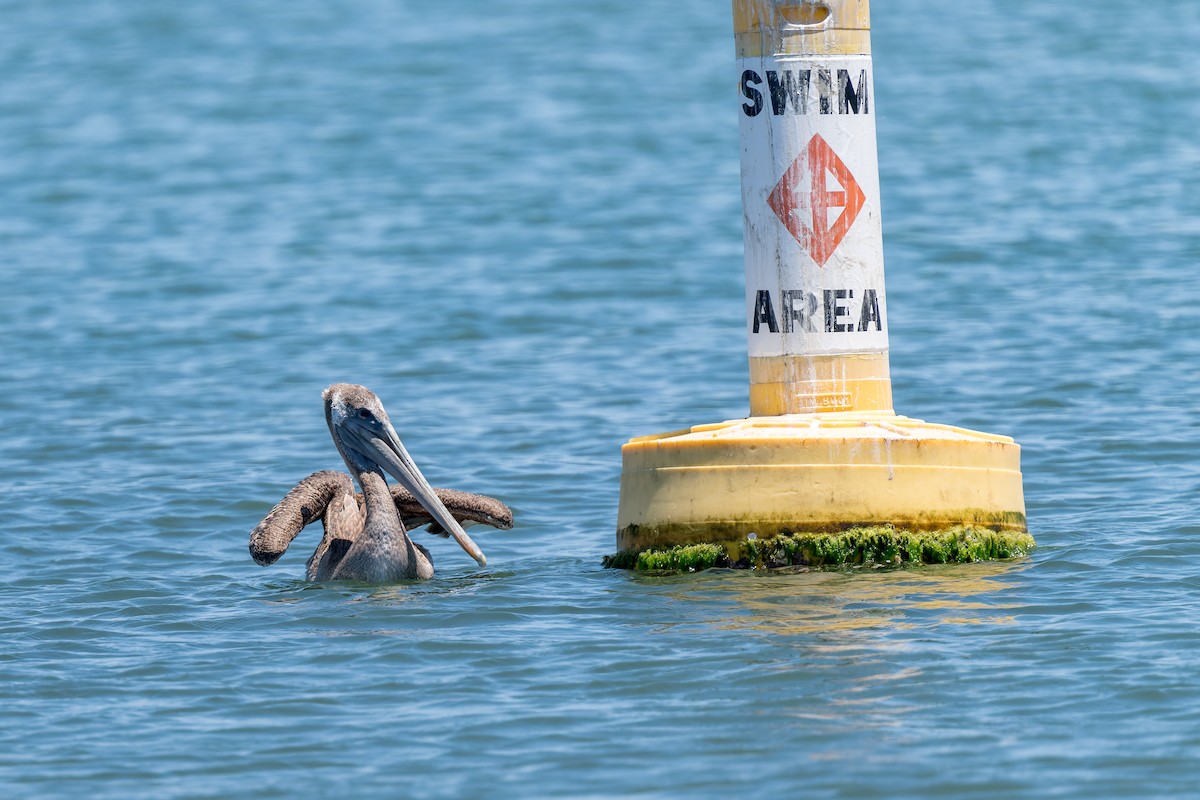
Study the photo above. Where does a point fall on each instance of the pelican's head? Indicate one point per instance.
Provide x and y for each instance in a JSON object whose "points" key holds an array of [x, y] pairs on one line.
{"points": [[367, 441]]}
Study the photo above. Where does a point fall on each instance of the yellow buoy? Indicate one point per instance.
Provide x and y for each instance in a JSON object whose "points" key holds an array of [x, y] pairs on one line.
{"points": [[823, 471]]}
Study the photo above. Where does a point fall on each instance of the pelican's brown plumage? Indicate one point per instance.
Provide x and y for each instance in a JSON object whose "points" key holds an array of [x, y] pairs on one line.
{"points": [[366, 533]]}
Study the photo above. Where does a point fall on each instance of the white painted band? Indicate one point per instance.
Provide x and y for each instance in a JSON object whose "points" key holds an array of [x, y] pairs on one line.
{"points": [[810, 202]]}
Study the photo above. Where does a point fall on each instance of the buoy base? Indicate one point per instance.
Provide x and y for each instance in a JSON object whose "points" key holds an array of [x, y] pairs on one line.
{"points": [[761, 478]]}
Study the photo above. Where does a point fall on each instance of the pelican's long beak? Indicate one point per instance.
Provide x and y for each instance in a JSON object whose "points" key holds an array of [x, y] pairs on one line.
{"points": [[388, 451]]}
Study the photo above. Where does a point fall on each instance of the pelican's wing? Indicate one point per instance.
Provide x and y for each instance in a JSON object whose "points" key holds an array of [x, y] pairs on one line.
{"points": [[465, 507], [343, 522], [305, 503]]}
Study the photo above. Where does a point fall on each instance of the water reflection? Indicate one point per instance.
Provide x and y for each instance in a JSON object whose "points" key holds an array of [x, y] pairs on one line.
{"points": [[814, 602]]}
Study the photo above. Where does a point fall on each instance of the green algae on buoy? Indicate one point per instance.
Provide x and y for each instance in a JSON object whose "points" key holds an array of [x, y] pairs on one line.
{"points": [[876, 546]]}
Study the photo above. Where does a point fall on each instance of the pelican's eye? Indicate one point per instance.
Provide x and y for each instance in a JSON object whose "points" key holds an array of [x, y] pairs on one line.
{"points": [[365, 414]]}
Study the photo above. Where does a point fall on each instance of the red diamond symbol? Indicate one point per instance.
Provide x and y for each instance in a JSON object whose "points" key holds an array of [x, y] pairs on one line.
{"points": [[805, 187]]}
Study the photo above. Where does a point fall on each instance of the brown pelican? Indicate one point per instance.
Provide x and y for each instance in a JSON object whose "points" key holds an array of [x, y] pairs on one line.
{"points": [[366, 535]]}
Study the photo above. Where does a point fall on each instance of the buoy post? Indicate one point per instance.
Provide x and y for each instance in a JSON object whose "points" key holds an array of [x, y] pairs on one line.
{"points": [[822, 463], [813, 239]]}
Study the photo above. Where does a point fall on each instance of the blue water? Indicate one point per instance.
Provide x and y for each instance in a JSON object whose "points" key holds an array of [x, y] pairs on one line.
{"points": [[520, 224]]}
